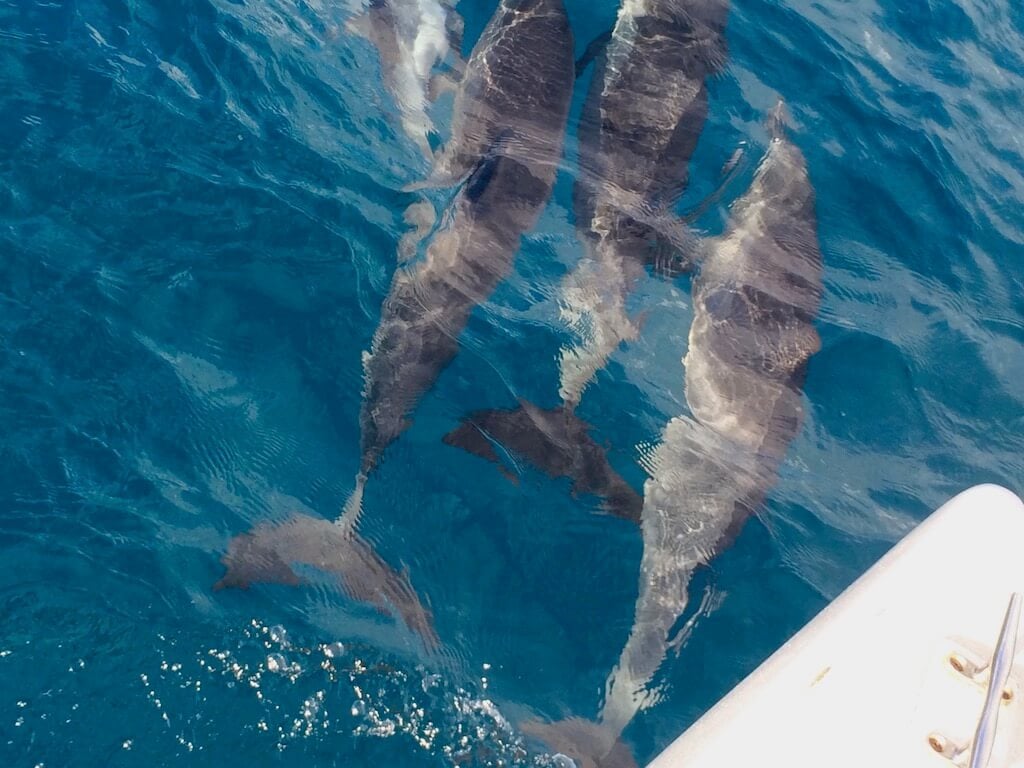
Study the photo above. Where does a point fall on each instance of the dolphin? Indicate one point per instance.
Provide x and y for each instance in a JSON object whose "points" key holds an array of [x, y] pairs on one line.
{"points": [[506, 143], [412, 37], [756, 293], [646, 108], [267, 552], [508, 127]]}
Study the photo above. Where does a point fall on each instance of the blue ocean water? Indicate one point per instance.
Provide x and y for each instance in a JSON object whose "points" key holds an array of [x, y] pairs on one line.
{"points": [[199, 208]]}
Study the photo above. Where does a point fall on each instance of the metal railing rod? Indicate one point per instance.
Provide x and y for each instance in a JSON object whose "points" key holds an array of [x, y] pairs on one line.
{"points": [[1002, 663]]}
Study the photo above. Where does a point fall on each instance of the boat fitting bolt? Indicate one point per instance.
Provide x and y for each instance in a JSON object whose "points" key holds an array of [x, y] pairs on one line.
{"points": [[1007, 694], [938, 743], [964, 666], [944, 746]]}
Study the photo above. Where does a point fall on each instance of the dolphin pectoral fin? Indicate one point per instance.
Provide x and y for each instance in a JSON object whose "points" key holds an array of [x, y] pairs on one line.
{"points": [[421, 217], [733, 167], [736, 160], [508, 474], [471, 438], [555, 441], [589, 744], [594, 48]]}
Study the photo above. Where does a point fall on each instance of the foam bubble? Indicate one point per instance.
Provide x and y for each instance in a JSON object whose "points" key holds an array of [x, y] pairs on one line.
{"points": [[334, 650], [279, 635]]}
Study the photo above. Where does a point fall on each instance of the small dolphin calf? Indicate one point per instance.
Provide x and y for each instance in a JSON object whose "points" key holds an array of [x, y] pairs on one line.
{"points": [[755, 298], [645, 111], [412, 37], [510, 120]]}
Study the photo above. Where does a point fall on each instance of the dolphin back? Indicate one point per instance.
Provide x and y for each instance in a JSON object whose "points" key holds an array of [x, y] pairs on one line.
{"points": [[519, 78], [647, 106], [755, 301]]}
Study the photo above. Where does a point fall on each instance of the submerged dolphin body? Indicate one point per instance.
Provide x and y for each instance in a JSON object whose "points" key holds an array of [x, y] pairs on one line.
{"points": [[646, 108], [268, 551], [509, 124], [508, 127], [411, 37], [755, 298]]}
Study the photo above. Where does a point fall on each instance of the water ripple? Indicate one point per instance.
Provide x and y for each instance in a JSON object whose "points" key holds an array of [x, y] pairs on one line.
{"points": [[200, 211]]}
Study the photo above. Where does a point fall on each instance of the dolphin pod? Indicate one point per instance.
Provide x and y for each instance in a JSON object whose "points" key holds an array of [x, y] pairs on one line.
{"points": [[755, 296], [644, 112], [508, 127], [756, 290]]}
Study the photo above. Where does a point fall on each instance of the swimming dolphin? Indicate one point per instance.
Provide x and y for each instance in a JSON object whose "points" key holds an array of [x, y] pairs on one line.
{"points": [[412, 37], [510, 119], [643, 115], [268, 551], [508, 126], [755, 296]]}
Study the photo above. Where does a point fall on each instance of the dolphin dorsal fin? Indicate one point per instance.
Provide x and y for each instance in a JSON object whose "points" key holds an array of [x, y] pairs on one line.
{"points": [[778, 120]]}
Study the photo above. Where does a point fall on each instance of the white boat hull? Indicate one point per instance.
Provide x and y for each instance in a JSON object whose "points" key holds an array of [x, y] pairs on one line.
{"points": [[872, 680]]}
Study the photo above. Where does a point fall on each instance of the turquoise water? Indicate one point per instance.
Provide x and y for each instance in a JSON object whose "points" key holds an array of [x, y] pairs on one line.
{"points": [[199, 208]]}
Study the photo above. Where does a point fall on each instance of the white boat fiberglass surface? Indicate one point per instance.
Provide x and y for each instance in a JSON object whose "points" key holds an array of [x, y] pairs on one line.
{"points": [[896, 671]]}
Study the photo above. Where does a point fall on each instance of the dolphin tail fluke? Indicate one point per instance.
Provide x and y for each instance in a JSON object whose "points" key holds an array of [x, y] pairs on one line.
{"points": [[595, 48], [364, 576], [667, 260], [778, 120], [557, 442], [671, 247], [671, 255], [589, 744]]}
